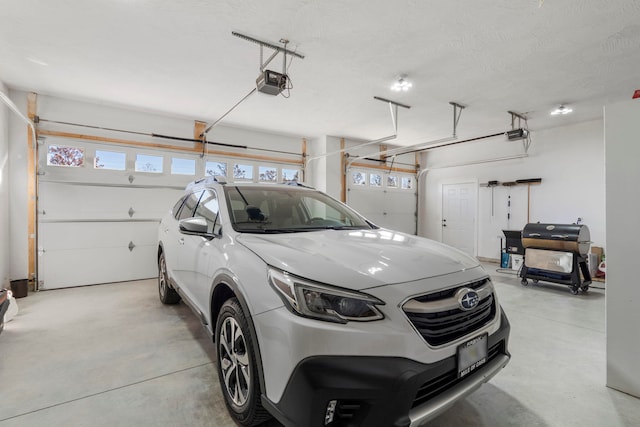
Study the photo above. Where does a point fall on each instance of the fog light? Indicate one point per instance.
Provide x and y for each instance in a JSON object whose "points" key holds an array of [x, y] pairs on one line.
{"points": [[331, 410]]}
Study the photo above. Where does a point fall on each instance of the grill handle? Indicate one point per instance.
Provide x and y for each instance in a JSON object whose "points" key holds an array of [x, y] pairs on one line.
{"points": [[560, 236], [534, 235]]}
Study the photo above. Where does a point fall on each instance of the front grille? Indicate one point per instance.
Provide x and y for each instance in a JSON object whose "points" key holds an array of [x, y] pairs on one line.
{"points": [[442, 327], [439, 384]]}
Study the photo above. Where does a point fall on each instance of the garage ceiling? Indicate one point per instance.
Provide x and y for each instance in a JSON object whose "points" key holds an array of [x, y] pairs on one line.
{"points": [[179, 57]]}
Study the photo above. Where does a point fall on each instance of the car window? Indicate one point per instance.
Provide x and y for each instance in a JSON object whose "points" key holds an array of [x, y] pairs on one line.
{"points": [[288, 209], [177, 206], [189, 206], [208, 208]]}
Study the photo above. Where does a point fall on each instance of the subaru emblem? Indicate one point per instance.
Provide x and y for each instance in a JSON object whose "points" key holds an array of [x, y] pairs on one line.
{"points": [[468, 299]]}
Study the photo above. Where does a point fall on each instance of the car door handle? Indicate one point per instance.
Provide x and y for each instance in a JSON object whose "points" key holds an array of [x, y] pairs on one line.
{"points": [[181, 241]]}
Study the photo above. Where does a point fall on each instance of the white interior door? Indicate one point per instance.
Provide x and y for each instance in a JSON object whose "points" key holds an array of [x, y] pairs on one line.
{"points": [[459, 216]]}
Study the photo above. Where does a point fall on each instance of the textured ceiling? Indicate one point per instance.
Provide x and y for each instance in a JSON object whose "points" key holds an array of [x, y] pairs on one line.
{"points": [[179, 57]]}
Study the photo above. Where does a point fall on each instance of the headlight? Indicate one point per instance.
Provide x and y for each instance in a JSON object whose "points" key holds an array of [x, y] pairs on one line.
{"points": [[324, 302]]}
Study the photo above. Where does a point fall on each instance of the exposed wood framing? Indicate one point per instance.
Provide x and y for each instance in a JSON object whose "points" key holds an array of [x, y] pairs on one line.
{"points": [[343, 175], [166, 146], [198, 129], [383, 151], [381, 167], [32, 189]]}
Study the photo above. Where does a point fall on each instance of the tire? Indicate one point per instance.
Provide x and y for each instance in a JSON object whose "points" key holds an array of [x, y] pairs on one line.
{"points": [[167, 294], [237, 366]]}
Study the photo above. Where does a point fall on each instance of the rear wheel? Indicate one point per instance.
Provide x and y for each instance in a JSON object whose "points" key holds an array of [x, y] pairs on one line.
{"points": [[167, 294], [237, 367]]}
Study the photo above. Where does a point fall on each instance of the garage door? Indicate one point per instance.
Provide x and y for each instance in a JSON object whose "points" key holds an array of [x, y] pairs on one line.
{"points": [[100, 205], [386, 198]]}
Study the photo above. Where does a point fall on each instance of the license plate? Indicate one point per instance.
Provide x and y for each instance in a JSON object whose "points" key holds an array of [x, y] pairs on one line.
{"points": [[472, 354]]}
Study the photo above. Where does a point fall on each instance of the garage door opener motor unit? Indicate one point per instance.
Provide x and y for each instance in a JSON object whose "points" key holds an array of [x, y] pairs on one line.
{"points": [[271, 82], [556, 253]]}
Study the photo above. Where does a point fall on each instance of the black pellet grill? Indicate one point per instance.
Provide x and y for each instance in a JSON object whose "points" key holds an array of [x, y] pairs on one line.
{"points": [[556, 253]]}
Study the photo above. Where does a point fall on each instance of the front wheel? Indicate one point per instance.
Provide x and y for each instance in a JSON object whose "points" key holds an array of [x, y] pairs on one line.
{"points": [[237, 367], [167, 294]]}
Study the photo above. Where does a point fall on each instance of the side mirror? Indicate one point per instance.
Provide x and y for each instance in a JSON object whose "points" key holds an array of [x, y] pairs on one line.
{"points": [[196, 226]]}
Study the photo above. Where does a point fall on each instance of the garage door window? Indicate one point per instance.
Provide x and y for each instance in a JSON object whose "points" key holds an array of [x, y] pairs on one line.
{"points": [[375, 180], [216, 168], [289, 175], [359, 178], [268, 174], [151, 164], [392, 181], [407, 183], [110, 160], [183, 166], [62, 155], [242, 172]]}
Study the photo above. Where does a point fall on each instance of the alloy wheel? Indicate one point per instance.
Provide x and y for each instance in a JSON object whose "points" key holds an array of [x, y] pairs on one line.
{"points": [[234, 361]]}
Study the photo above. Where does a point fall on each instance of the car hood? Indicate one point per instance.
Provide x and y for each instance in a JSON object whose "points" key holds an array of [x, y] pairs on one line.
{"points": [[357, 259]]}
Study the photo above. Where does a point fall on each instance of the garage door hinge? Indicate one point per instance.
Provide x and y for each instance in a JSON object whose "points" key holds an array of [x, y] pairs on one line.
{"points": [[131, 246], [131, 212]]}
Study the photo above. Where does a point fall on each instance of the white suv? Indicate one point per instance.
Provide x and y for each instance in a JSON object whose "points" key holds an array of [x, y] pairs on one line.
{"points": [[321, 318]]}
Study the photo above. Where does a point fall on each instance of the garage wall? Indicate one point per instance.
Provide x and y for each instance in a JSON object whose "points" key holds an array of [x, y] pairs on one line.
{"points": [[4, 192], [66, 110], [569, 159], [623, 293], [18, 260]]}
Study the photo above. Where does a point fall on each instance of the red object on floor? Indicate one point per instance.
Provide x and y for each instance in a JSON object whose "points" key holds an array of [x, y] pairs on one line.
{"points": [[636, 94]]}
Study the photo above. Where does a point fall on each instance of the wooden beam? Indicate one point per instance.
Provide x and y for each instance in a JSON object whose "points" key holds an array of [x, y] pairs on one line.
{"points": [[383, 151], [385, 168], [32, 190], [93, 138], [343, 175], [198, 129]]}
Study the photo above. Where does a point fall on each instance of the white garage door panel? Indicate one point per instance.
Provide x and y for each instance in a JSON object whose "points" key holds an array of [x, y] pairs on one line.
{"points": [[65, 201], [401, 208], [370, 204], [390, 208], [77, 254], [61, 267]]}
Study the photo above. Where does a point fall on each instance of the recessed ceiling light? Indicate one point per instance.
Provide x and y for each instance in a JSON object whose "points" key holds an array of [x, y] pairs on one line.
{"points": [[401, 85], [561, 110], [37, 61]]}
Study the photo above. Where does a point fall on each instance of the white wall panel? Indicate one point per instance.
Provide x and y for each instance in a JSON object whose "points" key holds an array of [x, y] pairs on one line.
{"points": [[622, 127], [4, 192], [569, 159]]}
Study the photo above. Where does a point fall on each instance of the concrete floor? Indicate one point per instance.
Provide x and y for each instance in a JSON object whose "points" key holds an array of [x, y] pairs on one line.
{"points": [[113, 355]]}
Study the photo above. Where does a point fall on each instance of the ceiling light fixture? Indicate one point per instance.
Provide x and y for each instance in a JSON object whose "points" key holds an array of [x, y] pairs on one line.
{"points": [[401, 85], [561, 110]]}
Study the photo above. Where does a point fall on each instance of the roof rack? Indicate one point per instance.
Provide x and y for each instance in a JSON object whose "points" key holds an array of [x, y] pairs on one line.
{"points": [[207, 181], [297, 184]]}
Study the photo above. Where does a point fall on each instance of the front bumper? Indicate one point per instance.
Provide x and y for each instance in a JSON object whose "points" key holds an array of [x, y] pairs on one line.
{"points": [[380, 391], [4, 306]]}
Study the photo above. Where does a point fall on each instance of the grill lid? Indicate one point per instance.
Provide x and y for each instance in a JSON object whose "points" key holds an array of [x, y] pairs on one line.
{"points": [[561, 237]]}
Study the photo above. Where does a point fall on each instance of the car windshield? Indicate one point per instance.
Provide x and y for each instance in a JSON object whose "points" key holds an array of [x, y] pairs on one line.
{"points": [[290, 209]]}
